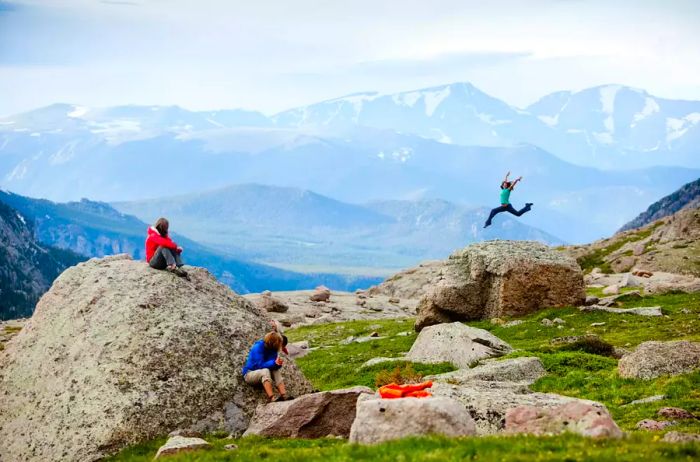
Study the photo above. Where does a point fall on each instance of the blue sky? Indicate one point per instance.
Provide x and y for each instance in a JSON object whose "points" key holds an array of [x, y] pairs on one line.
{"points": [[276, 54]]}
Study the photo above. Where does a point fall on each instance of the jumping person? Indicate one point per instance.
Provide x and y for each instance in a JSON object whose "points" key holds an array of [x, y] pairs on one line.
{"points": [[263, 366], [506, 187], [163, 253]]}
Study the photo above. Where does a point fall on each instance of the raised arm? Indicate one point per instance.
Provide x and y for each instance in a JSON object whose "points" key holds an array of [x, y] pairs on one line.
{"points": [[506, 178], [517, 180]]}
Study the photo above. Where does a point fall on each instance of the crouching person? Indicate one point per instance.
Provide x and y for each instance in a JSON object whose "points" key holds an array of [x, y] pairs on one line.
{"points": [[263, 366]]}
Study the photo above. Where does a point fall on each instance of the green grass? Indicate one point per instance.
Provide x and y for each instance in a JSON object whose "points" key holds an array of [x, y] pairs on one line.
{"points": [[513, 449], [574, 373], [334, 366]]}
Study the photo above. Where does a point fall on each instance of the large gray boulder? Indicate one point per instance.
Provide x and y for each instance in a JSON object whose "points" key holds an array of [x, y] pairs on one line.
{"points": [[327, 413], [381, 420], [117, 353], [497, 279], [654, 359], [525, 370], [456, 343]]}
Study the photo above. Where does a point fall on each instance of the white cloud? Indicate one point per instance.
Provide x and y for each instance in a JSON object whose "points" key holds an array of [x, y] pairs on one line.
{"points": [[276, 54]]}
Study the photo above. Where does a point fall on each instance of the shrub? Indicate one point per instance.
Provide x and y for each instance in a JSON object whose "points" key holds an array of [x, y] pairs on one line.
{"points": [[399, 376]]}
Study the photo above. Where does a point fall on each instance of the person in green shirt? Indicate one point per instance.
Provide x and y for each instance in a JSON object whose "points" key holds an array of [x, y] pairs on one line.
{"points": [[507, 187]]}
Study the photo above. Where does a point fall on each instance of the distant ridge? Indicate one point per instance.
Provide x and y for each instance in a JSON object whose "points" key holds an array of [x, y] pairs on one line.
{"points": [[687, 197]]}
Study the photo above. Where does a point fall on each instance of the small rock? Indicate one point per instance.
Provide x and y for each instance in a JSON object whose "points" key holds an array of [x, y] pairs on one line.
{"points": [[266, 293], [374, 334], [640, 310], [638, 250], [650, 399], [653, 359], [678, 437], [642, 273], [347, 340], [497, 321], [686, 311], [591, 300], [547, 322], [611, 290], [321, 294], [558, 321], [360, 302], [231, 447], [404, 334], [675, 413], [597, 324], [272, 305], [178, 444], [513, 323], [653, 425]]}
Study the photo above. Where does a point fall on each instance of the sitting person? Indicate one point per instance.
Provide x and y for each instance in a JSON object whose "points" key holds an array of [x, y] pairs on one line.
{"points": [[263, 365], [162, 252]]}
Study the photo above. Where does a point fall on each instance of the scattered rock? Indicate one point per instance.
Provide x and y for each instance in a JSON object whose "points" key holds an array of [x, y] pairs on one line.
{"points": [[653, 425], [650, 399], [591, 300], [374, 334], [501, 278], [641, 311], [497, 321], [457, 344], [654, 359], [513, 323], [310, 416], [522, 370], [272, 305], [394, 300], [321, 294], [678, 437], [266, 293], [381, 420], [179, 444], [231, 447], [597, 324], [547, 322], [117, 353], [298, 349], [611, 290], [559, 321], [379, 360], [576, 417], [642, 273], [675, 413]]}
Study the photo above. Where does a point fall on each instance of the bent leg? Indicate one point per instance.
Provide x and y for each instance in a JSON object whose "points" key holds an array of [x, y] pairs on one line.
{"points": [[493, 213], [178, 259], [279, 381], [158, 260], [517, 213]]}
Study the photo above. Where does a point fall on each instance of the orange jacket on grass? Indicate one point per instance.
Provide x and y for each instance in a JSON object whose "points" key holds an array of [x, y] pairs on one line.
{"points": [[405, 391]]}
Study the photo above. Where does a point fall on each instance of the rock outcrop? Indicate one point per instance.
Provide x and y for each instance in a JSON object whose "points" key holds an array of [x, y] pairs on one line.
{"points": [[328, 413], [501, 278], [654, 359], [456, 343], [118, 353], [179, 444], [575, 417], [271, 304], [381, 420]]}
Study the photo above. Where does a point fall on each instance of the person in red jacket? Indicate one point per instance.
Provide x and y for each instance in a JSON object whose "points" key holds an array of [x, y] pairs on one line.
{"points": [[162, 252]]}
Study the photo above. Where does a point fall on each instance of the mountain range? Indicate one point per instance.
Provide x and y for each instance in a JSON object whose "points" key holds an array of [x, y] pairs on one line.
{"points": [[687, 197], [369, 147], [93, 229], [27, 267], [297, 228]]}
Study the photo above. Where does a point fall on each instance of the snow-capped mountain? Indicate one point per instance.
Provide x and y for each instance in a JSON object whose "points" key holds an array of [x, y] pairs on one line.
{"points": [[611, 126]]}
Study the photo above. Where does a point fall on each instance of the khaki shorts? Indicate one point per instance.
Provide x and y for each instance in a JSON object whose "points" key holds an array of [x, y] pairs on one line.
{"points": [[263, 375]]}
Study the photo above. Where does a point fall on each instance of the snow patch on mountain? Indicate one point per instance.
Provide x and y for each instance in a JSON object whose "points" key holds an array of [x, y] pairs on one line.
{"points": [[650, 107], [433, 99], [78, 111], [675, 128], [552, 121], [407, 99]]}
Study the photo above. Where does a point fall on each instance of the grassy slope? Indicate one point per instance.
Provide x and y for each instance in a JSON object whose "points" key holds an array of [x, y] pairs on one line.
{"points": [[573, 373]]}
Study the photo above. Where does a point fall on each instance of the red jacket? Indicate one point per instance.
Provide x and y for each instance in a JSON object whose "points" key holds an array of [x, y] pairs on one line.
{"points": [[155, 240]]}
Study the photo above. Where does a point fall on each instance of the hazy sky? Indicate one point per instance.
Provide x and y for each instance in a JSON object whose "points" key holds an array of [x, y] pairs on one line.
{"points": [[275, 54]]}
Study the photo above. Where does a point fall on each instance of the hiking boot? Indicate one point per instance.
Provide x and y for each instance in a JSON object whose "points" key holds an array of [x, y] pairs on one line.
{"points": [[286, 398]]}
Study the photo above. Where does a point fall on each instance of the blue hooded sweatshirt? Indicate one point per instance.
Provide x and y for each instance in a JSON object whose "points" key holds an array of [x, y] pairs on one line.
{"points": [[260, 357]]}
